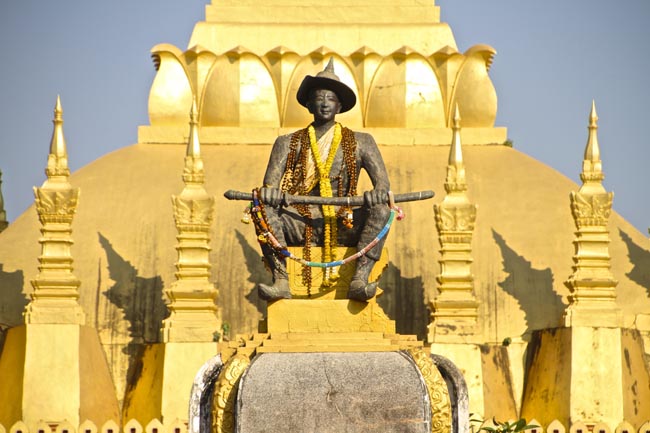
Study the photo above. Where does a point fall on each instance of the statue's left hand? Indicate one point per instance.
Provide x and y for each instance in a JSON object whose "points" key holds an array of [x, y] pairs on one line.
{"points": [[271, 196], [374, 197]]}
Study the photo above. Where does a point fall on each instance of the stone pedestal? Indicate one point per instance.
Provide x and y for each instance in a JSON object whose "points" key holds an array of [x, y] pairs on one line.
{"points": [[332, 393], [55, 373], [329, 366]]}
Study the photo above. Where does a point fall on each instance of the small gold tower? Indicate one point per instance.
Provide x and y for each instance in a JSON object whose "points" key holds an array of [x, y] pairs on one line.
{"points": [[190, 334], [56, 290], [577, 371], [53, 367], [593, 288], [193, 312], [452, 331], [455, 309]]}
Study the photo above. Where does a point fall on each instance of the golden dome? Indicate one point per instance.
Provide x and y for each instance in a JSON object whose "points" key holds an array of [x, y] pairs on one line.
{"points": [[124, 238]]}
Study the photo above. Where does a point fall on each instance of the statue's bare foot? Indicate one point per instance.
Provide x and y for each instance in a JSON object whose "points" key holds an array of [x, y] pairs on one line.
{"points": [[362, 290], [279, 290]]}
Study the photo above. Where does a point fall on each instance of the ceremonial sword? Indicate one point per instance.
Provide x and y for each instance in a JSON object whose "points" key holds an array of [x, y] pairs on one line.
{"points": [[333, 201]]}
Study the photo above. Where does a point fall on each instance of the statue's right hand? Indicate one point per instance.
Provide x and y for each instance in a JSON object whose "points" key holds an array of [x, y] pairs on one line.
{"points": [[271, 196]]}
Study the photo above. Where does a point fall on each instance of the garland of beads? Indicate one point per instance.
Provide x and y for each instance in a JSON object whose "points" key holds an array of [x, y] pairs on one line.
{"points": [[304, 209], [350, 162], [266, 235], [288, 177]]}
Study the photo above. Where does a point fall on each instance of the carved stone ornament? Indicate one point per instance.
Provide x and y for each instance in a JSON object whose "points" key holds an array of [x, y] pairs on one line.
{"points": [[56, 206], [591, 209], [57, 165], [437, 387], [591, 175], [193, 173], [193, 211], [455, 218], [451, 185]]}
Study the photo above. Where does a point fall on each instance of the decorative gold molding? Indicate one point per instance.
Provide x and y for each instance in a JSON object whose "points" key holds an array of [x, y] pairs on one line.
{"points": [[54, 206], [435, 83], [193, 214], [591, 209], [437, 388], [225, 393], [456, 219]]}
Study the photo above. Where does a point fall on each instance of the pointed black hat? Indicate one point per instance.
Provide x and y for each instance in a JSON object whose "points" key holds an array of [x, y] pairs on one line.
{"points": [[327, 79]]}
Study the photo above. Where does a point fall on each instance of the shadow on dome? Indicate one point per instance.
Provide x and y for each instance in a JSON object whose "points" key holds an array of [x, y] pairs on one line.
{"points": [[531, 288], [12, 299], [140, 301], [640, 260]]}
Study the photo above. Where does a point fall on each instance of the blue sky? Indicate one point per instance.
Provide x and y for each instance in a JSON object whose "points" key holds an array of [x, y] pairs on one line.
{"points": [[553, 58]]}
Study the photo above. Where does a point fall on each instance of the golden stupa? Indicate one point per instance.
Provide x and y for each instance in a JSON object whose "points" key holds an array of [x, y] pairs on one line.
{"points": [[481, 277]]}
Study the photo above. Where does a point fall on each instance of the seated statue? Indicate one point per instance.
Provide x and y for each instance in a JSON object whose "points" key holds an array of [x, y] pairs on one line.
{"points": [[324, 160]]}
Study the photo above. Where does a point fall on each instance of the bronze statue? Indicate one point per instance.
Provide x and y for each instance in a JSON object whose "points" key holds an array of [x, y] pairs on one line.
{"points": [[324, 160]]}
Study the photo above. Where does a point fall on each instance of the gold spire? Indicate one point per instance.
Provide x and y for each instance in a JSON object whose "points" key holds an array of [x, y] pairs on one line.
{"points": [[194, 146], [193, 309], [456, 181], [55, 298], [456, 306], [592, 301], [193, 173], [57, 161], [592, 168]]}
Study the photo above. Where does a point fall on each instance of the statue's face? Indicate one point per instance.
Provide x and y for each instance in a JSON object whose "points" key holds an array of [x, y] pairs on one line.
{"points": [[324, 105]]}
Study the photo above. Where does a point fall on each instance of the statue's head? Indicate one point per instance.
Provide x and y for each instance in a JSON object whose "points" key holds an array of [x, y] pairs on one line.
{"points": [[326, 80]]}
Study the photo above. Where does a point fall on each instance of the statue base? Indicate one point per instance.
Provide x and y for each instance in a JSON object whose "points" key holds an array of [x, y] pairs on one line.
{"points": [[327, 316], [326, 364], [329, 366], [333, 392]]}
